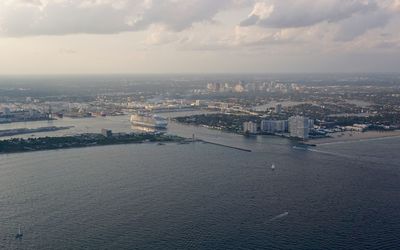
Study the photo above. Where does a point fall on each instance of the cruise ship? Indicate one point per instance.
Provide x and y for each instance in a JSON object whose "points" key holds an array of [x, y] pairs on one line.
{"points": [[149, 120]]}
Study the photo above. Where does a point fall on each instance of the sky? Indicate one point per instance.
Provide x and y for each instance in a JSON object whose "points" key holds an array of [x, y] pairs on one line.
{"points": [[198, 36]]}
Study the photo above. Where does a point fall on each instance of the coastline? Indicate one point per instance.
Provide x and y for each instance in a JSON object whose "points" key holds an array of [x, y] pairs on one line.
{"points": [[23, 131], [336, 138], [355, 137], [18, 145]]}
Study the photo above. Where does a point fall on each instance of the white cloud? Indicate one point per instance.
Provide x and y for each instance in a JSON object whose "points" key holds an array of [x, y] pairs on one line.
{"points": [[302, 13], [235, 25], [359, 24], [352, 17], [57, 17]]}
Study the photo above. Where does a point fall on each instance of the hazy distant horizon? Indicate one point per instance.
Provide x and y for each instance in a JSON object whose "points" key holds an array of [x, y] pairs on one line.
{"points": [[200, 74]]}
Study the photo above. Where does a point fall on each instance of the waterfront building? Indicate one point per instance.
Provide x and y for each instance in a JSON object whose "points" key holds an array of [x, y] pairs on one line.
{"points": [[299, 127], [282, 126], [267, 126], [250, 127], [274, 126]]}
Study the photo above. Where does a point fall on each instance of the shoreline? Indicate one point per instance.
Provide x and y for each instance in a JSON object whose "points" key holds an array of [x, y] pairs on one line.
{"points": [[23, 131], [18, 145], [336, 138], [356, 137]]}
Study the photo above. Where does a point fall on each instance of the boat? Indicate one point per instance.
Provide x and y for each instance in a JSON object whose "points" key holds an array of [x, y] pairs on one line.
{"points": [[19, 234], [149, 120], [273, 167]]}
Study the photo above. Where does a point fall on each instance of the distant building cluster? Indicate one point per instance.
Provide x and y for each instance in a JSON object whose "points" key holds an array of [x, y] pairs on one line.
{"points": [[225, 107], [252, 87], [296, 126], [7, 115]]}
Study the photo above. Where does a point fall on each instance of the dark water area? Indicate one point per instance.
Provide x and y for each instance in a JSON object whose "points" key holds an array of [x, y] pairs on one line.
{"points": [[202, 196]]}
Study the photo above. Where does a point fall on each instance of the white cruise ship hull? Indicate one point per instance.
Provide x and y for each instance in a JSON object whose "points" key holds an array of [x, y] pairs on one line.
{"points": [[151, 121]]}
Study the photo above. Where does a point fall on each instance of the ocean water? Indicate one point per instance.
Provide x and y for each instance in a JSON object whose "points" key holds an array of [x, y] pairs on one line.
{"points": [[202, 196]]}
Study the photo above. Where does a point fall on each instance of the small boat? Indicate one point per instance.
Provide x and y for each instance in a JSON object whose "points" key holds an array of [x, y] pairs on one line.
{"points": [[273, 167], [19, 234]]}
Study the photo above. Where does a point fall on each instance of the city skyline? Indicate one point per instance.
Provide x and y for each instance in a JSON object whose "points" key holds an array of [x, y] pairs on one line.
{"points": [[229, 36]]}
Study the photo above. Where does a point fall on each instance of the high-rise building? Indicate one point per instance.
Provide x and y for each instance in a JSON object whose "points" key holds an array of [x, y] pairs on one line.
{"points": [[274, 126], [239, 88], [214, 87], [299, 127], [268, 126], [250, 127], [282, 126]]}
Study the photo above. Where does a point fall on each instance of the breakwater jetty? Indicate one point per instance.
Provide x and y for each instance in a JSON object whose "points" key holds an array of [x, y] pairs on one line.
{"points": [[223, 145]]}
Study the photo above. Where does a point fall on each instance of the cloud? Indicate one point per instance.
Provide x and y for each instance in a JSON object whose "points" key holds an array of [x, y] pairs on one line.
{"points": [[359, 24], [179, 15], [59, 17], [211, 24], [349, 18], [301, 13], [27, 18]]}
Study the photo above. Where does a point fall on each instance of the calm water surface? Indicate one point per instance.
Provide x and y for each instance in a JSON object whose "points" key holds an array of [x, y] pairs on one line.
{"points": [[201, 196]]}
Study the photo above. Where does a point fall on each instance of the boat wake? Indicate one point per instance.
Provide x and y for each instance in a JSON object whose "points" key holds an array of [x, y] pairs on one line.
{"points": [[282, 215], [323, 152], [331, 153]]}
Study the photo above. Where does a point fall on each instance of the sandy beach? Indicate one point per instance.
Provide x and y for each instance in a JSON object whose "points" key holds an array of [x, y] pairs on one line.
{"points": [[350, 136]]}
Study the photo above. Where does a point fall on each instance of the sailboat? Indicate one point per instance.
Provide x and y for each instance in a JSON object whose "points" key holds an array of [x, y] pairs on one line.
{"points": [[19, 234], [273, 167]]}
